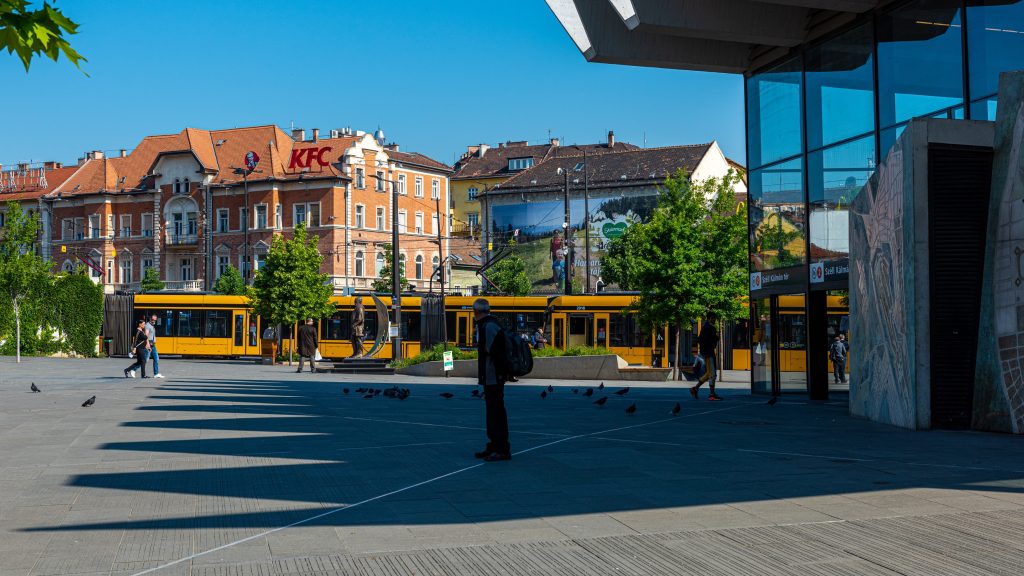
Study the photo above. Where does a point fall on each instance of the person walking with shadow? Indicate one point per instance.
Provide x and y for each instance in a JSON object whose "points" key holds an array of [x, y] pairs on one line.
{"points": [[490, 352], [307, 345], [707, 343], [151, 334], [140, 348], [837, 354]]}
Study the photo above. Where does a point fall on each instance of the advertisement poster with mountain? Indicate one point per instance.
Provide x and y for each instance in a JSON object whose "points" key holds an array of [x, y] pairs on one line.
{"points": [[541, 241]]}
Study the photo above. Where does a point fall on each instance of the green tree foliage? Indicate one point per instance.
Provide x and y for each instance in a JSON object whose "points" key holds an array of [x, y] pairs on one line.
{"points": [[24, 275], [776, 238], [289, 286], [230, 283], [690, 258], [30, 32], [383, 283], [76, 307], [151, 281], [508, 276]]}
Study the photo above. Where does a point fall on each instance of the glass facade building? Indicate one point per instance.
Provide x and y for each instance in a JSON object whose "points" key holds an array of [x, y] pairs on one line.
{"points": [[818, 120]]}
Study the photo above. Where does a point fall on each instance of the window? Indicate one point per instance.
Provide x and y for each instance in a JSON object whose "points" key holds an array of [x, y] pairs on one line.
{"points": [[222, 220], [380, 181], [3, 219], [419, 222], [419, 187], [79, 228], [189, 323], [109, 279], [185, 186], [278, 220], [147, 263], [519, 163], [360, 178], [314, 214], [216, 324], [419, 267], [223, 261], [261, 216], [359, 216], [94, 226], [96, 270], [995, 41], [359, 263], [380, 217], [243, 218], [433, 270], [624, 330], [260, 258], [299, 214], [435, 189], [433, 224], [380, 263], [147, 224], [777, 216], [840, 99], [126, 225], [401, 184], [773, 119], [177, 186], [125, 268], [835, 176], [67, 229], [473, 218], [401, 222], [111, 231], [471, 194]]}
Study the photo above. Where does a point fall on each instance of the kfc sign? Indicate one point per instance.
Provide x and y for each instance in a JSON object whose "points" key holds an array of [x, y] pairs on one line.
{"points": [[252, 160], [304, 157]]}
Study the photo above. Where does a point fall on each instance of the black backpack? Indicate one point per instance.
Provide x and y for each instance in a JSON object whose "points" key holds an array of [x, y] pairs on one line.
{"points": [[516, 358]]}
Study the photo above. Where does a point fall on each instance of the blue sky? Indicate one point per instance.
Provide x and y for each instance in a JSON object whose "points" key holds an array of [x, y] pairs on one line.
{"points": [[435, 76]]}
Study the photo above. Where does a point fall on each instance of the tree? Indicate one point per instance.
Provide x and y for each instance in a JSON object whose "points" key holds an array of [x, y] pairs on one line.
{"points": [[24, 275], [230, 283], [289, 286], [76, 310], [689, 259], [151, 281], [36, 32], [509, 274], [383, 283]]}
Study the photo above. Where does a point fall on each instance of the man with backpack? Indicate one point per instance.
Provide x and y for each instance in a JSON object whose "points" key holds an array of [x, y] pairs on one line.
{"points": [[492, 375], [837, 354]]}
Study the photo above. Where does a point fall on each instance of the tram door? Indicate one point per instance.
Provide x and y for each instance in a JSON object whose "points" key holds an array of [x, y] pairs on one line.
{"points": [[244, 334], [558, 331], [581, 330], [600, 339]]}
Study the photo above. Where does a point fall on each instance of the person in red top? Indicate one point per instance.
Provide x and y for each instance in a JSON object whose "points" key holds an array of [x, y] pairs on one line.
{"points": [[556, 254]]}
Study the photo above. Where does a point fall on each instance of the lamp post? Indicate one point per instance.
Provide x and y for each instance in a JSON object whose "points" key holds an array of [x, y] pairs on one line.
{"points": [[566, 230], [245, 247], [396, 280]]}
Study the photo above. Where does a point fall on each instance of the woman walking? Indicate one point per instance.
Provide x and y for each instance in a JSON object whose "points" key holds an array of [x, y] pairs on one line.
{"points": [[140, 346]]}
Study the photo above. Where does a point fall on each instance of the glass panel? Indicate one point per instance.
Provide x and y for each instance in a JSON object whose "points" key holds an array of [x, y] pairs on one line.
{"points": [[189, 323], [777, 217], [995, 43], [337, 327], [840, 96], [984, 109], [889, 137], [216, 324], [773, 114], [839, 324], [835, 176], [792, 342], [919, 60], [239, 329], [762, 352], [558, 332]]}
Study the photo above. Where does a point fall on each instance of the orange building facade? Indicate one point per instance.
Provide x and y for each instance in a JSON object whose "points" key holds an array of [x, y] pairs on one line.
{"points": [[184, 204]]}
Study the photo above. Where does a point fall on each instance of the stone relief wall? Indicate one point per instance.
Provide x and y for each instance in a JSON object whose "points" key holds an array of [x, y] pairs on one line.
{"points": [[999, 380], [881, 295]]}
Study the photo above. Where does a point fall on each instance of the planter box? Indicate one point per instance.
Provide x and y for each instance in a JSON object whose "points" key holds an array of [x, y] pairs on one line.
{"points": [[609, 367]]}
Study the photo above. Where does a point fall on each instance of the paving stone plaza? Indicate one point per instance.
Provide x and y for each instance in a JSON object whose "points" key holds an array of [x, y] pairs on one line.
{"points": [[228, 468]]}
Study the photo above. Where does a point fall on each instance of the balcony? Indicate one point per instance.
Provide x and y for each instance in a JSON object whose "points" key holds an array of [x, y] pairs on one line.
{"points": [[176, 239], [183, 285], [464, 231]]}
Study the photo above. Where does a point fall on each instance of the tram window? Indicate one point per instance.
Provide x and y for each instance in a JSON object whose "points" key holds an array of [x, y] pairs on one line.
{"points": [[239, 329], [578, 324], [370, 327], [189, 323], [411, 326], [216, 325], [556, 331], [626, 331], [741, 334], [164, 321], [463, 331], [792, 331], [838, 324], [337, 327], [449, 326]]}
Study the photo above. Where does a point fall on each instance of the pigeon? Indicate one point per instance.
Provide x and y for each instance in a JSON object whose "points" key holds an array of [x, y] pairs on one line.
{"points": [[631, 409], [89, 402], [600, 401], [376, 392], [475, 393], [345, 390], [543, 394], [622, 392], [447, 395], [403, 394], [34, 388], [360, 390], [773, 400], [367, 396], [589, 392], [575, 390], [601, 387], [675, 409], [551, 388]]}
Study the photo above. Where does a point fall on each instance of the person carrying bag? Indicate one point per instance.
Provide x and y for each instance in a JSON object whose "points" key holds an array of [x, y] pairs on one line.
{"points": [[140, 348]]}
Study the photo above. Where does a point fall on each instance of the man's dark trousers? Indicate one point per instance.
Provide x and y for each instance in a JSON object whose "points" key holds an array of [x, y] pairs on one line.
{"points": [[497, 418]]}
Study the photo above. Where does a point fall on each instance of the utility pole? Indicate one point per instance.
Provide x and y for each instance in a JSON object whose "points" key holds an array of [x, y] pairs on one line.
{"points": [[396, 277], [440, 276], [248, 264], [586, 216], [566, 248]]}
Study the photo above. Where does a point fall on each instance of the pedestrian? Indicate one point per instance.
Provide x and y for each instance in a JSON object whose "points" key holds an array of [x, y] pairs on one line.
{"points": [[358, 322], [151, 333], [707, 343], [307, 345], [140, 349], [837, 354], [490, 352], [538, 338]]}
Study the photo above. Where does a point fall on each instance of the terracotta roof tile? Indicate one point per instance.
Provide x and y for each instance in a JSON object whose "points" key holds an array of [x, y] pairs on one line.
{"points": [[26, 185], [417, 159], [494, 162]]}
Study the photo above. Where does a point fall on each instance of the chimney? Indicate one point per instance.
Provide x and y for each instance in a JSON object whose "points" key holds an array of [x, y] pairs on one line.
{"points": [[393, 147], [316, 134], [124, 153], [97, 154], [483, 150], [556, 142], [611, 138], [51, 165], [298, 134]]}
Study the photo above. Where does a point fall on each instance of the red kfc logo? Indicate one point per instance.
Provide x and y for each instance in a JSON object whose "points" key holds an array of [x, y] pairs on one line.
{"points": [[304, 157]]}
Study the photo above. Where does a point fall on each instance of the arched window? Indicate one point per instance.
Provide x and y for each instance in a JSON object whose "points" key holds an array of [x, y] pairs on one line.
{"points": [[435, 261], [380, 263], [184, 186], [419, 267], [177, 186], [359, 263]]}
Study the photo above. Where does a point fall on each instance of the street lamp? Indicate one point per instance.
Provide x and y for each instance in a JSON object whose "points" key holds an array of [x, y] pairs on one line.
{"points": [[567, 249], [245, 180], [396, 280]]}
